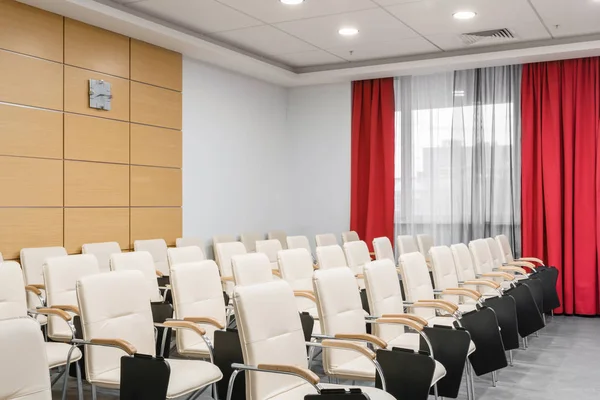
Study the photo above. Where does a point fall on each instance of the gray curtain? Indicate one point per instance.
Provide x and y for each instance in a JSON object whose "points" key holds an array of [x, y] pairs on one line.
{"points": [[458, 148]]}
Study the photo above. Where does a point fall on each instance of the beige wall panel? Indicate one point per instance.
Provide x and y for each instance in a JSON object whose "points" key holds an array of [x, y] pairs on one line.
{"points": [[77, 99], [92, 184], [30, 81], [155, 146], [31, 182], [155, 65], [155, 106], [89, 47], [96, 139], [30, 132], [95, 225], [153, 186], [155, 223], [32, 31], [29, 227]]}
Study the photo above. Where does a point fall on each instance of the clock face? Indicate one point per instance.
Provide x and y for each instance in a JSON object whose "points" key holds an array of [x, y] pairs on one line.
{"points": [[100, 95]]}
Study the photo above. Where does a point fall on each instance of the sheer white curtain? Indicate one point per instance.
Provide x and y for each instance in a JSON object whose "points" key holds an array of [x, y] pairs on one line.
{"points": [[458, 155]]}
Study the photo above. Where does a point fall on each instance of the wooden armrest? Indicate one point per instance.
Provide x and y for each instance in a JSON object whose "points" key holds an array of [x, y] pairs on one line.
{"points": [[440, 301], [305, 294], [440, 306], [363, 337], [120, 343], [522, 264], [276, 272], [360, 276], [531, 259], [416, 318], [483, 282], [159, 274], [305, 373], [340, 344], [33, 289], [512, 269], [402, 321], [185, 325], [473, 294], [227, 279], [38, 286], [504, 275], [54, 311], [70, 308], [315, 266], [205, 320]]}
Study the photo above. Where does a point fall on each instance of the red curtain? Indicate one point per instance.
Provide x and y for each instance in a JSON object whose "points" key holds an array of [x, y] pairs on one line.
{"points": [[561, 175], [372, 193]]}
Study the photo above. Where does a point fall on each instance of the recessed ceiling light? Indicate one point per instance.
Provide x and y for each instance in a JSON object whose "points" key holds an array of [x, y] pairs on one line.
{"points": [[348, 31], [292, 2], [464, 15]]}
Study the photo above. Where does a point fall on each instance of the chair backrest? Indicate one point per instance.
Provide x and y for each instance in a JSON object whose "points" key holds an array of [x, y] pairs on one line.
{"points": [[340, 311], [181, 255], [138, 261], [13, 302], [221, 239], [249, 239], [331, 257], [444, 270], [425, 242], [384, 296], [296, 267], [190, 241], [357, 255], [383, 249], [279, 235], [350, 236], [482, 256], [326, 239], [463, 261], [32, 261], [416, 281], [270, 333], [251, 269], [197, 292], [298, 242], [270, 248], [24, 370], [495, 251], [506, 251], [407, 244], [224, 251], [102, 251], [114, 305], [61, 275], [158, 250]]}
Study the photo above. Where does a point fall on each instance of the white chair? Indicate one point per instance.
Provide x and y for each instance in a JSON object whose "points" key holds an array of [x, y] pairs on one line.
{"points": [[198, 297], [298, 242], [270, 248], [249, 240], [158, 250], [507, 254], [139, 261], [115, 311], [484, 264], [296, 267], [181, 255], [350, 236], [102, 251], [221, 239], [331, 257], [251, 269], [407, 244], [24, 370], [279, 235], [326, 239], [357, 255], [273, 346], [189, 241], [465, 271], [224, 252], [383, 249], [425, 242], [500, 265]]}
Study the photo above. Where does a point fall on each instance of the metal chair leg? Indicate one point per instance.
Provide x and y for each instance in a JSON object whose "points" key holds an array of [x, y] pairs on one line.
{"points": [[66, 380], [435, 392], [215, 393], [468, 380], [94, 394], [79, 383], [510, 358], [494, 378]]}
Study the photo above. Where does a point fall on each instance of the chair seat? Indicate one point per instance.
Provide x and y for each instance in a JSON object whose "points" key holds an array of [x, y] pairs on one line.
{"points": [[58, 353], [199, 349], [302, 390], [360, 368]]}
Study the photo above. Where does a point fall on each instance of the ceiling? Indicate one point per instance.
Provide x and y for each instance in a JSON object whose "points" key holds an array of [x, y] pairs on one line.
{"points": [[298, 45]]}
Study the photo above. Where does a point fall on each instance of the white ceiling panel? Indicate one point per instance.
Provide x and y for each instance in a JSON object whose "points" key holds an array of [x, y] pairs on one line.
{"points": [[264, 40], [392, 2], [309, 58], [387, 49], [431, 17], [204, 16], [573, 17], [271, 11], [374, 26]]}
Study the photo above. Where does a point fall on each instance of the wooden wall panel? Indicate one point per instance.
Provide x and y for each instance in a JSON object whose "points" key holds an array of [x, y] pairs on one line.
{"points": [[152, 186], [30, 132], [29, 227], [30, 182], [152, 223], [32, 31], [95, 225], [77, 98], [155, 146], [155, 106], [30, 81], [90, 184], [155, 65], [97, 49], [96, 139]]}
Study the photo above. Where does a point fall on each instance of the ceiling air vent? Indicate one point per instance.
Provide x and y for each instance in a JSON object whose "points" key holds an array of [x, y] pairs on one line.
{"points": [[491, 36]]}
